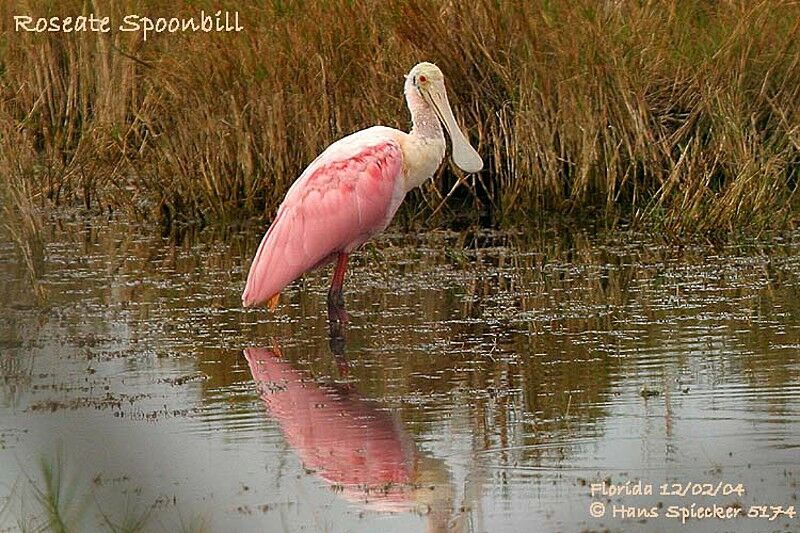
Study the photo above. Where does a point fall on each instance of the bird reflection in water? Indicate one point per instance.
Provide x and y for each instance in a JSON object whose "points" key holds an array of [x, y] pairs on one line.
{"points": [[352, 442]]}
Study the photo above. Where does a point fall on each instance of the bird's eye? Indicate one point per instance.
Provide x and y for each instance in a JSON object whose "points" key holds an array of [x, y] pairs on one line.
{"points": [[422, 78]]}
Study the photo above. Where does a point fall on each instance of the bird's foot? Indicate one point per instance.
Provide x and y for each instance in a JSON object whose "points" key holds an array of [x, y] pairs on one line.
{"points": [[336, 311], [337, 341], [337, 316]]}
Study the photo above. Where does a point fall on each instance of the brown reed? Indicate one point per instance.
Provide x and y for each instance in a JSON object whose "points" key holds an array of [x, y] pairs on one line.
{"points": [[681, 114]]}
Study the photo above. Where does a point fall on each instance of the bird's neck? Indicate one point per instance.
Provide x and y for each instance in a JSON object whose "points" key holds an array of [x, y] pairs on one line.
{"points": [[425, 123], [425, 145]]}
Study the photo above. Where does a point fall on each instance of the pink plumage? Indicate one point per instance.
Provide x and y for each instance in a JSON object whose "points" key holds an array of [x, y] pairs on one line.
{"points": [[347, 195], [346, 439], [352, 191]]}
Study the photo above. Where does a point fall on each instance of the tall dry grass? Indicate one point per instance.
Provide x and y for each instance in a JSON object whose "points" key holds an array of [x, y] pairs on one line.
{"points": [[685, 114]]}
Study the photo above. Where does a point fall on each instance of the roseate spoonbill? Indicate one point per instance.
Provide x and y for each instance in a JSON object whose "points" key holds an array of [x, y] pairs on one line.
{"points": [[351, 442], [352, 190]]}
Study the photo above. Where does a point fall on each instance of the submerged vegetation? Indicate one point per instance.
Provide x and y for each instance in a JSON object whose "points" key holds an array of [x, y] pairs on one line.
{"points": [[681, 114]]}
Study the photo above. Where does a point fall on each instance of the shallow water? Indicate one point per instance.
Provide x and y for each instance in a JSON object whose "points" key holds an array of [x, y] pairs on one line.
{"points": [[486, 382]]}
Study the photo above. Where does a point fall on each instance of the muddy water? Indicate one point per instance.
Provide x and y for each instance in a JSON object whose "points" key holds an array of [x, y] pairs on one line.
{"points": [[485, 383]]}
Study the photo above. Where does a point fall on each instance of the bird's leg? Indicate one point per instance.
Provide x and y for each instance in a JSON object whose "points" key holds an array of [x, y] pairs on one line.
{"points": [[336, 312], [337, 341]]}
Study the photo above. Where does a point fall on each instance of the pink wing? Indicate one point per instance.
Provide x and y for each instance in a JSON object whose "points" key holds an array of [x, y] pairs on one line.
{"points": [[347, 439], [347, 195]]}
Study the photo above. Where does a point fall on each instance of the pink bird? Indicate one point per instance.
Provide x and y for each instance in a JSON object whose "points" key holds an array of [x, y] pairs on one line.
{"points": [[346, 439], [351, 192], [352, 442]]}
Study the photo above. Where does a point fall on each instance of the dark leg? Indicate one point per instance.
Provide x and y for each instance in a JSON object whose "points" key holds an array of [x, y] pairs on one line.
{"points": [[336, 341], [336, 312]]}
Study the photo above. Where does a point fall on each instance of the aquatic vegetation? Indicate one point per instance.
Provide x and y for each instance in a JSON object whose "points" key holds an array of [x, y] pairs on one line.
{"points": [[681, 114], [60, 500], [19, 217], [193, 524], [131, 521]]}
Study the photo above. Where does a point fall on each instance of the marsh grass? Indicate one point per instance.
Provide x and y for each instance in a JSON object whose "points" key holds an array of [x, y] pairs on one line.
{"points": [[60, 500], [60, 503], [681, 114], [19, 217], [193, 524], [132, 520]]}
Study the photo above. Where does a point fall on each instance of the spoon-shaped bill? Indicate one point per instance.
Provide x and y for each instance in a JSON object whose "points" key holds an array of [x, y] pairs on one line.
{"points": [[464, 155]]}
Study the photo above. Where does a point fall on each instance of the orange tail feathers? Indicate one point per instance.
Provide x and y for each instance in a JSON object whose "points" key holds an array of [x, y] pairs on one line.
{"points": [[272, 303]]}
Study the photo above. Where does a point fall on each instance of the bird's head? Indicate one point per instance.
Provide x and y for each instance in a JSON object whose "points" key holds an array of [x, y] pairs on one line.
{"points": [[427, 79]]}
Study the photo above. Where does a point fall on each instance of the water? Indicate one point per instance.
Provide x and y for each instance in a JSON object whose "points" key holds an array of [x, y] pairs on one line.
{"points": [[486, 382]]}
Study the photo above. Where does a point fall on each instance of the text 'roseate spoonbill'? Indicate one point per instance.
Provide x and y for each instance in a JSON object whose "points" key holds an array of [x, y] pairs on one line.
{"points": [[352, 190]]}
